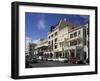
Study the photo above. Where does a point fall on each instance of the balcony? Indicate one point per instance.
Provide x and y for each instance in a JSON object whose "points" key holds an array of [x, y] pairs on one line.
{"points": [[74, 38]]}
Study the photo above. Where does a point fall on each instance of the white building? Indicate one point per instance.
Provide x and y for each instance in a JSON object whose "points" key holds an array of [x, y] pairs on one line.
{"points": [[57, 38], [68, 41]]}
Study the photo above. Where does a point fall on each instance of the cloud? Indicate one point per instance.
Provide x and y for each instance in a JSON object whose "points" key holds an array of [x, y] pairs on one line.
{"points": [[35, 41], [41, 24]]}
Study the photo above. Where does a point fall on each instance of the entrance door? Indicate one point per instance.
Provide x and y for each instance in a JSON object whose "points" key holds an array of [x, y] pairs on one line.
{"points": [[72, 53]]}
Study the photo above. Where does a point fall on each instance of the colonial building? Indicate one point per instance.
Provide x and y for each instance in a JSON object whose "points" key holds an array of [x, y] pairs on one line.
{"points": [[68, 41], [57, 38]]}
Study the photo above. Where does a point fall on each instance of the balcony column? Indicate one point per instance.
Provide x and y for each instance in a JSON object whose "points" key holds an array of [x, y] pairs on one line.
{"points": [[61, 53], [68, 54], [54, 54], [64, 53]]}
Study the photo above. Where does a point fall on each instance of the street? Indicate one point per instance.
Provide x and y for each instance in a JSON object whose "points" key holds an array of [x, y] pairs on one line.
{"points": [[52, 64]]}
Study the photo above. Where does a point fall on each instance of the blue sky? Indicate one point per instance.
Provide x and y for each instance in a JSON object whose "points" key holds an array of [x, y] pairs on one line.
{"points": [[38, 24]]}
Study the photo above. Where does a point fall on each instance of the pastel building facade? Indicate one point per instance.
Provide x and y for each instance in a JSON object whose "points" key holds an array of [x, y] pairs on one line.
{"points": [[68, 41], [57, 38]]}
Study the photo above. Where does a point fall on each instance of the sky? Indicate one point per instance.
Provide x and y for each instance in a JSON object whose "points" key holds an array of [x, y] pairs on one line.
{"points": [[38, 24]]}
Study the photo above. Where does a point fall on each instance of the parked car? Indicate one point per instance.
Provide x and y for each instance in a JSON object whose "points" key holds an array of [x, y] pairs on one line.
{"points": [[63, 59], [55, 59], [40, 58], [50, 59]]}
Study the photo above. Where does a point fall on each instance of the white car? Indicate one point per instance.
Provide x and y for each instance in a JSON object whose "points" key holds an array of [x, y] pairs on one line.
{"points": [[50, 59], [56, 59], [63, 59]]}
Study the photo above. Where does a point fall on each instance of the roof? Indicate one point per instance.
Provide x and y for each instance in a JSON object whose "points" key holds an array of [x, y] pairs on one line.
{"points": [[62, 23]]}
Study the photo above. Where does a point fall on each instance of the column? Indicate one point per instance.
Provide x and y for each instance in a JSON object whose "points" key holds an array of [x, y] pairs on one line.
{"points": [[68, 54], [53, 54]]}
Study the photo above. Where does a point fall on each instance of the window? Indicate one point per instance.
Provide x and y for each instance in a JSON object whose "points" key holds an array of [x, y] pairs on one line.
{"points": [[49, 42], [72, 27], [78, 32], [52, 35], [55, 40], [55, 33], [75, 34], [72, 43], [71, 35], [55, 46], [49, 37]]}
